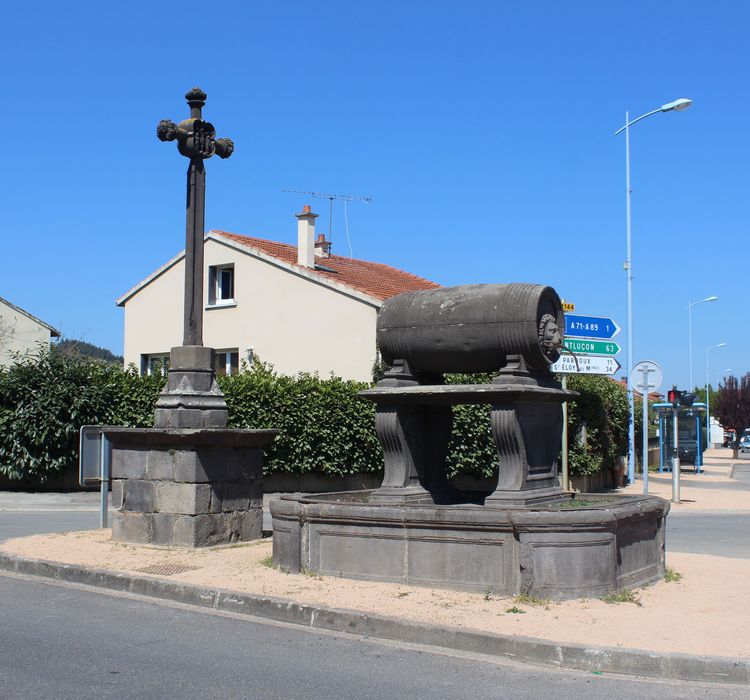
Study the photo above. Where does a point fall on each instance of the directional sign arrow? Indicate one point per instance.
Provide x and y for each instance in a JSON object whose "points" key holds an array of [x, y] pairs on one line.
{"points": [[587, 364], [590, 327], [592, 347]]}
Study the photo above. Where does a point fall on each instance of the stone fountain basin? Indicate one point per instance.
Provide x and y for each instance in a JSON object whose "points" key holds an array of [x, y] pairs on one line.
{"points": [[581, 547]]}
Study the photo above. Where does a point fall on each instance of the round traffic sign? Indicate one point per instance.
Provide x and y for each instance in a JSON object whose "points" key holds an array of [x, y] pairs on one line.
{"points": [[646, 376]]}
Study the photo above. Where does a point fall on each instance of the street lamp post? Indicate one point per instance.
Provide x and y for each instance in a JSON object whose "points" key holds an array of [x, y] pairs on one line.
{"points": [[722, 372], [708, 388], [690, 334], [677, 105]]}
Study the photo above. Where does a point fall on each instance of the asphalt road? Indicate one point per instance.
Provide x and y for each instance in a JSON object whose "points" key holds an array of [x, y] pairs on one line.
{"points": [[710, 532], [21, 523], [63, 642]]}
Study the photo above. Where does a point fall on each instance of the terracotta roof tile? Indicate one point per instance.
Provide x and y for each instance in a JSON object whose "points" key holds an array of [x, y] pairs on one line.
{"points": [[377, 280]]}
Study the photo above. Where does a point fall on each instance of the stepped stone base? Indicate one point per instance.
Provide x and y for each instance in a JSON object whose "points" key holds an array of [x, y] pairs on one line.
{"points": [[191, 397], [187, 487]]}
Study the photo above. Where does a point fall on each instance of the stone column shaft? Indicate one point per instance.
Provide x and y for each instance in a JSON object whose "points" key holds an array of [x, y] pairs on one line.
{"points": [[194, 230]]}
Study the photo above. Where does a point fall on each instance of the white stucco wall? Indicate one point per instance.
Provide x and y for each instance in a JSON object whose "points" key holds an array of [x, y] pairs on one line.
{"points": [[294, 323], [19, 334]]}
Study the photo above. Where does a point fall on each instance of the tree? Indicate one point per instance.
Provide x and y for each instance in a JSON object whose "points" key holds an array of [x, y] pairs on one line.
{"points": [[732, 407], [80, 348]]}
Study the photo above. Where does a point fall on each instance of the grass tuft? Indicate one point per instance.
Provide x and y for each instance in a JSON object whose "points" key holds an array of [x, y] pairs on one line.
{"points": [[626, 595], [525, 599], [267, 561], [515, 609], [672, 576]]}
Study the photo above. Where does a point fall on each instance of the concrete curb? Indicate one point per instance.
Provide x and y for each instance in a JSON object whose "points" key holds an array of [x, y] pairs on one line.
{"points": [[634, 662]]}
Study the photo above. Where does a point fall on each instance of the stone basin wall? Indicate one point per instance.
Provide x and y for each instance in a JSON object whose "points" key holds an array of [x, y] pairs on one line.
{"points": [[549, 552]]}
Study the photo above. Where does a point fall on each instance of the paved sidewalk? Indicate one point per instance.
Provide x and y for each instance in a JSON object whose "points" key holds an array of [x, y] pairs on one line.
{"points": [[74, 501], [722, 485], [695, 628]]}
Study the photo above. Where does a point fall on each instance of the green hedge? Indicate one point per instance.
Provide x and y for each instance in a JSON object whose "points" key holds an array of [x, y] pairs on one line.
{"points": [[324, 426], [597, 424], [602, 408], [45, 400]]}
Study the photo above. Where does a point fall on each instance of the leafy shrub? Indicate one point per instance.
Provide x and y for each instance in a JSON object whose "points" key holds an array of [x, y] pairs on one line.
{"points": [[471, 449], [597, 424], [323, 425], [44, 400]]}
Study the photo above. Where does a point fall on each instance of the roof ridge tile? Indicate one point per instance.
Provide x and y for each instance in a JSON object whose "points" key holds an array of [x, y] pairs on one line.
{"points": [[376, 279]]}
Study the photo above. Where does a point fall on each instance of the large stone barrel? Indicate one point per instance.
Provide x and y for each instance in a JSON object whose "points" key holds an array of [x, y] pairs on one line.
{"points": [[472, 328]]}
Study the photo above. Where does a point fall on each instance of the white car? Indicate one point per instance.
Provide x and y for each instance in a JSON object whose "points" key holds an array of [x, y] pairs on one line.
{"points": [[745, 444]]}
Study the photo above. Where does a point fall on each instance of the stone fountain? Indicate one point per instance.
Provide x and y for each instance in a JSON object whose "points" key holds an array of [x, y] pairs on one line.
{"points": [[524, 536]]}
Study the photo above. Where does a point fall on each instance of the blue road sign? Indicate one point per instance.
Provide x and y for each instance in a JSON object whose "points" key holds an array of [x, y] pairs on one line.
{"points": [[590, 327]]}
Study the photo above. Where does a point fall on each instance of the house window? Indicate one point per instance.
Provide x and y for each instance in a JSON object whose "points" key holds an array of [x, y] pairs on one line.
{"points": [[221, 285], [227, 362], [155, 364]]}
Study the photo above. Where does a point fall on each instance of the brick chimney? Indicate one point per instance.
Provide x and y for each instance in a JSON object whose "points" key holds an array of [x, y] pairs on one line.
{"points": [[322, 247], [306, 237]]}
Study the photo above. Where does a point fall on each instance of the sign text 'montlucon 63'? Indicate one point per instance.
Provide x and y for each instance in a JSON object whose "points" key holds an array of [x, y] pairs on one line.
{"points": [[592, 347]]}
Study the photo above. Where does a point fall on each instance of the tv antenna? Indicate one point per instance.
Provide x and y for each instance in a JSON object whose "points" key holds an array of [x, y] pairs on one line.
{"points": [[346, 199]]}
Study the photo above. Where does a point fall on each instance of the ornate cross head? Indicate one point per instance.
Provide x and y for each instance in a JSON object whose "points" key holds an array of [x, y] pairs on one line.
{"points": [[196, 138]]}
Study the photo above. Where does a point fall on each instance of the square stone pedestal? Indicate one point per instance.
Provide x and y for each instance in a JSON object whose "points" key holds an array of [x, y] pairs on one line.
{"points": [[187, 487]]}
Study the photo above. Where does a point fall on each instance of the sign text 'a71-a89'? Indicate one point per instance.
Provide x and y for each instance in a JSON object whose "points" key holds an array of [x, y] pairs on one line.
{"points": [[597, 327]]}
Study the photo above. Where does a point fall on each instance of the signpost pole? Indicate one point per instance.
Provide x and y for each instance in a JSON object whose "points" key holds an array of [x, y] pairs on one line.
{"points": [[647, 377], [699, 444], [661, 443], [675, 458], [565, 469], [644, 430], [104, 492]]}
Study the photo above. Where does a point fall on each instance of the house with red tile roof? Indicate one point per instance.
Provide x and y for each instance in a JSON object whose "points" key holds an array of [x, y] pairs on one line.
{"points": [[301, 308]]}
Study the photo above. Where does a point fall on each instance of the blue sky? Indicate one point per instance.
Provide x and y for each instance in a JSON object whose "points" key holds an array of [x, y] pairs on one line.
{"points": [[482, 130]]}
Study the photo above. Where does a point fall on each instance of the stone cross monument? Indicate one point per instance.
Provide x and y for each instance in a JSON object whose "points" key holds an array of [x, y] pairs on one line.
{"points": [[189, 481], [192, 399]]}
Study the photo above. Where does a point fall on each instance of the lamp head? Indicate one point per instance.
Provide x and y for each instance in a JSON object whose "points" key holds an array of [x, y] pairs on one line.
{"points": [[677, 105], [712, 298]]}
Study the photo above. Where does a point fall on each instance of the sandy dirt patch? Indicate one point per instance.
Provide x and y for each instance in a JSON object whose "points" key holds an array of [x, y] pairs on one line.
{"points": [[705, 612]]}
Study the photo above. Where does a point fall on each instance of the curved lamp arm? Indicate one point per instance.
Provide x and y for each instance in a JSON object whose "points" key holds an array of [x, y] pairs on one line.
{"points": [[677, 105], [637, 119]]}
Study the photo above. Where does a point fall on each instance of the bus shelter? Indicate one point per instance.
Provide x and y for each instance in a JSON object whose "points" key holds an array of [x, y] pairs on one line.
{"points": [[691, 438]]}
